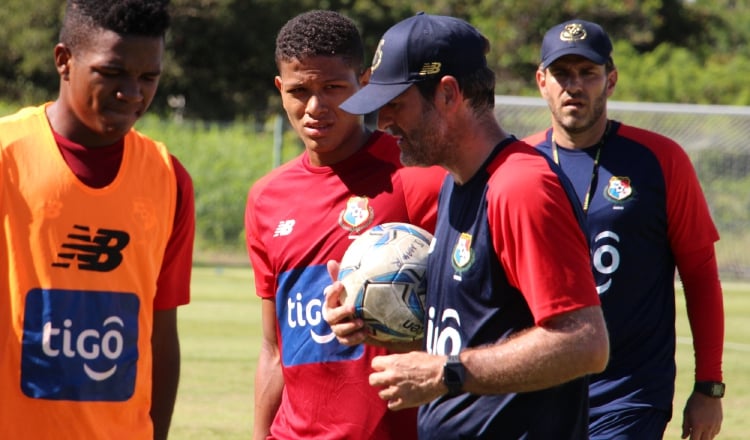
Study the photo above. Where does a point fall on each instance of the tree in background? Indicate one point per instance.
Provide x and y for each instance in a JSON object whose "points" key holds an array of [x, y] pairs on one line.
{"points": [[27, 38], [220, 52]]}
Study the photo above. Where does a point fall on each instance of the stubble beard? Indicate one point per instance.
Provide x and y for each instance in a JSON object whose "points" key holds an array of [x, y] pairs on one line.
{"points": [[424, 146], [575, 124]]}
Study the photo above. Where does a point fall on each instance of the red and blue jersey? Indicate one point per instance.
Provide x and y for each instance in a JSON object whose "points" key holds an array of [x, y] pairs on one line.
{"points": [[646, 211], [298, 217], [509, 253]]}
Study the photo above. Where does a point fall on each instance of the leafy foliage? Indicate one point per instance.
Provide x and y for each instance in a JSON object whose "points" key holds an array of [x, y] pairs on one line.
{"points": [[220, 57], [27, 38], [223, 161]]}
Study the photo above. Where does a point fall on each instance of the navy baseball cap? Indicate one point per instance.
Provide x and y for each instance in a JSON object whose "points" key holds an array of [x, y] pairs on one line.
{"points": [[576, 37], [416, 49]]}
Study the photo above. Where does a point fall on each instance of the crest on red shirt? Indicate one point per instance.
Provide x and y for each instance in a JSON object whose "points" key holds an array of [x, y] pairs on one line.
{"points": [[357, 215]]}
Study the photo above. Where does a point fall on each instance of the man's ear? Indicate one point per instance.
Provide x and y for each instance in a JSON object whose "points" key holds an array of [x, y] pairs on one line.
{"points": [[541, 81], [611, 82], [364, 77], [448, 92], [62, 60], [277, 82]]}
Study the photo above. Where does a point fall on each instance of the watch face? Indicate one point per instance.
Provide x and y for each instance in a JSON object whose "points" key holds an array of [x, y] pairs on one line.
{"points": [[711, 389], [717, 389]]}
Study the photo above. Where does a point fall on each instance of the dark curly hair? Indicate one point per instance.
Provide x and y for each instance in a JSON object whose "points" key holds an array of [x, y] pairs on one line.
{"points": [[320, 33], [148, 18]]}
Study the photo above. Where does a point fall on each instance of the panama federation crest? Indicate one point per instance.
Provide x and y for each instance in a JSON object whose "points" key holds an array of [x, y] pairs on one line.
{"points": [[357, 215], [463, 256], [618, 189], [573, 32]]}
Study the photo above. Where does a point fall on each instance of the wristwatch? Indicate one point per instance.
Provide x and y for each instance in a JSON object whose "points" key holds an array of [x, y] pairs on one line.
{"points": [[454, 375], [710, 389]]}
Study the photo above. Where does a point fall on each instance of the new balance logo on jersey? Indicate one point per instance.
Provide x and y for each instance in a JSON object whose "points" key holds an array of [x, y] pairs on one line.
{"points": [[101, 252], [284, 228]]}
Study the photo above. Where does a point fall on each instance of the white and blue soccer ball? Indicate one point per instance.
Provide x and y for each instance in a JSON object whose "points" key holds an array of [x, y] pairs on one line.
{"points": [[383, 274]]}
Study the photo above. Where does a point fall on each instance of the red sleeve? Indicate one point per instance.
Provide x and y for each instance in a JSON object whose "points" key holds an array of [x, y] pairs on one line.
{"points": [[705, 308], [690, 226], [265, 282], [536, 235], [692, 235], [421, 190], [173, 285]]}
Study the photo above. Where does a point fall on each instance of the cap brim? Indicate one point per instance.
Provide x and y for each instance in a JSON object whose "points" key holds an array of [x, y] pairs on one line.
{"points": [[582, 51], [372, 96]]}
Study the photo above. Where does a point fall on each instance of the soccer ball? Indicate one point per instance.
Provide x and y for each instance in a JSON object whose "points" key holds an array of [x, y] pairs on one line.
{"points": [[383, 274]]}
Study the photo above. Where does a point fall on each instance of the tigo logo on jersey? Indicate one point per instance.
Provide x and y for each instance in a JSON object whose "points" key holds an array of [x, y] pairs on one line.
{"points": [[444, 334], [79, 345], [357, 215], [299, 308], [101, 252], [618, 189]]}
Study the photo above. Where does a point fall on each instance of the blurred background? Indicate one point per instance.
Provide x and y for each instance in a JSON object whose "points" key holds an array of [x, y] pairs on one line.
{"points": [[683, 71]]}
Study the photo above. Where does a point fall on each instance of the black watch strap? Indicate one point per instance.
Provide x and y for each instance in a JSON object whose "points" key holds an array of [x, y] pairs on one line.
{"points": [[710, 389], [454, 375]]}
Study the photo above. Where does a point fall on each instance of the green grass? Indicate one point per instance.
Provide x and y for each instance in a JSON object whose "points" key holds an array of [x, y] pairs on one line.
{"points": [[736, 366], [220, 334], [221, 331]]}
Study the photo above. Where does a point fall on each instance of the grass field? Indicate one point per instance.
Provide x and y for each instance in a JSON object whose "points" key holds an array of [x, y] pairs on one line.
{"points": [[220, 333]]}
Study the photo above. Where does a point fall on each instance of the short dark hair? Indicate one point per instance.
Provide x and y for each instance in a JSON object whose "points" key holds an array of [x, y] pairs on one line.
{"points": [[147, 18], [609, 66], [478, 86], [320, 33]]}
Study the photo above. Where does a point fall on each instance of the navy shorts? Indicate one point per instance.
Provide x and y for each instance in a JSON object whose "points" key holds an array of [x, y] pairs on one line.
{"points": [[630, 424]]}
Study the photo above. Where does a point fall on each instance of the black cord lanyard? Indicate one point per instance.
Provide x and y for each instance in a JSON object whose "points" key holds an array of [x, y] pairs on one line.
{"points": [[594, 170]]}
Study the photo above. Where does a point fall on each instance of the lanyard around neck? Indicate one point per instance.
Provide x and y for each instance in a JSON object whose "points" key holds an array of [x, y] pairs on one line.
{"points": [[594, 169]]}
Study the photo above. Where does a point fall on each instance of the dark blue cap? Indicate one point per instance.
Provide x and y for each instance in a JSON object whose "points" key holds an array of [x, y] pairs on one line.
{"points": [[576, 37], [416, 49]]}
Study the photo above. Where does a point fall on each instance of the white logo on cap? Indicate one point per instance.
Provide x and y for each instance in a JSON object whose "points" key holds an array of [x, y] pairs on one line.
{"points": [[378, 55]]}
